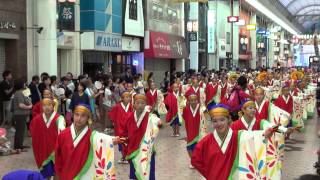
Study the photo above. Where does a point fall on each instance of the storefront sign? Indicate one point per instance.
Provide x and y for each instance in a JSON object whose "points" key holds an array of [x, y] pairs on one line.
{"points": [[251, 27], [130, 44], [261, 31], [211, 33], [267, 34], [163, 45], [178, 46], [7, 25], [193, 36], [222, 48], [64, 40], [232, 19], [241, 22], [108, 42]]}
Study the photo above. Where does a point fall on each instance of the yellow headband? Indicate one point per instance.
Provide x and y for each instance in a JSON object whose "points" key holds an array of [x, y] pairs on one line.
{"points": [[259, 90], [82, 109], [47, 101], [247, 104], [125, 94], [219, 111], [140, 97], [233, 76]]}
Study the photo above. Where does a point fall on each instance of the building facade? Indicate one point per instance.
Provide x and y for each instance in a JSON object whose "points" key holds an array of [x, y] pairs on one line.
{"points": [[101, 40], [13, 32], [164, 43]]}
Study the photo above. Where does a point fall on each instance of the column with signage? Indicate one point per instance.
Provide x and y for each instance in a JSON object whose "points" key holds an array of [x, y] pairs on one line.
{"points": [[235, 51], [253, 37], [282, 40], [213, 62], [193, 35], [270, 51], [47, 40], [180, 65], [69, 54]]}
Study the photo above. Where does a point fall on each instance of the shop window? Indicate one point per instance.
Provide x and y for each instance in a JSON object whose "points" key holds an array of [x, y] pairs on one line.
{"points": [[157, 12], [160, 13], [133, 9], [171, 16], [243, 44], [120, 63], [174, 17]]}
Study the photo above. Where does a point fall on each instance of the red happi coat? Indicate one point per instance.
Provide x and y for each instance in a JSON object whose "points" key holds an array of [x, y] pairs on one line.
{"points": [[192, 90], [283, 104], [192, 122], [224, 88], [43, 137], [171, 103], [251, 87], [202, 84], [209, 159], [239, 125], [270, 83], [152, 97], [70, 158], [134, 133], [118, 116], [211, 91], [295, 92], [263, 110]]}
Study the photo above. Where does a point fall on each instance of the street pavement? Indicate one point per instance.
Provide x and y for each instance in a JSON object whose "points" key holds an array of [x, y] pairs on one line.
{"points": [[172, 160]]}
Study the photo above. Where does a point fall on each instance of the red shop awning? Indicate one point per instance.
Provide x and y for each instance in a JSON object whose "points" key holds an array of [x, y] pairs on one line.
{"points": [[162, 45]]}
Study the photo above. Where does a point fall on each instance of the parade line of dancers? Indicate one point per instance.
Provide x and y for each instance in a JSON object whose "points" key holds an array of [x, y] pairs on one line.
{"points": [[252, 115]]}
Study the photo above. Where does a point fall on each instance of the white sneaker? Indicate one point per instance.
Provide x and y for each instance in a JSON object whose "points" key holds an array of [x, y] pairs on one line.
{"points": [[125, 162], [122, 161]]}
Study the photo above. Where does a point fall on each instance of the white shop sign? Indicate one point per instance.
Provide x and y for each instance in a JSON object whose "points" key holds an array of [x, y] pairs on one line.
{"points": [[130, 44], [108, 42]]}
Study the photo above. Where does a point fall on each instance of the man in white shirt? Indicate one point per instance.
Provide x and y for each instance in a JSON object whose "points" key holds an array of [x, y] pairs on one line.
{"points": [[107, 105]]}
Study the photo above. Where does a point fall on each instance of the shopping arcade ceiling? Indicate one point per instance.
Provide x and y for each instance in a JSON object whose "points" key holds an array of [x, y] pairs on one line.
{"points": [[306, 12]]}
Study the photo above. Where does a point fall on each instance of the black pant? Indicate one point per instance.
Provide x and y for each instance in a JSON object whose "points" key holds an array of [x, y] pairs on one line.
{"points": [[20, 130]]}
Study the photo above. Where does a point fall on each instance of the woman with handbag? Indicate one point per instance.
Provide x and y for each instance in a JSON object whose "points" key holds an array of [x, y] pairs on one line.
{"points": [[22, 106]]}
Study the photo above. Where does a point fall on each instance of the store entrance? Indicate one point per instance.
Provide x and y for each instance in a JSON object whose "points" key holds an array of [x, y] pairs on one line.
{"points": [[92, 69]]}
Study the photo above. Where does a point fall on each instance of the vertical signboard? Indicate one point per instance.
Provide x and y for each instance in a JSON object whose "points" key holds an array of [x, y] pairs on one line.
{"points": [[134, 20], [211, 31], [65, 16]]}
